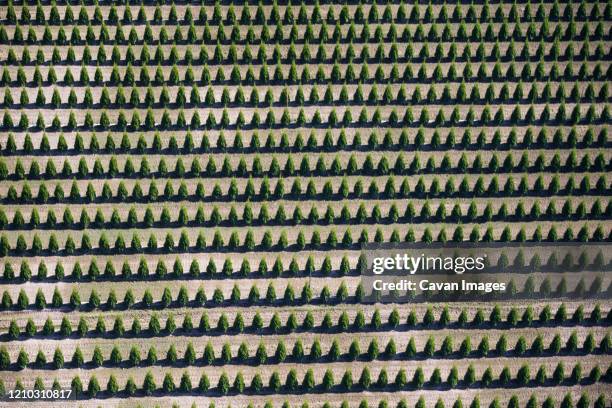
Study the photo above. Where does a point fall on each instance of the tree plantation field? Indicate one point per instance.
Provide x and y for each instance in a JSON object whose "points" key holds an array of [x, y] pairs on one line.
{"points": [[187, 187]]}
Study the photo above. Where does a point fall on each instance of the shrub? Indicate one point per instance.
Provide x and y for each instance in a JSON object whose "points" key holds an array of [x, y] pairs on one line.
{"points": [[394, 318], [576, 375], [447, 346], [465, 348], [483, 346], [436, 377], [5, 359], [430, 347], [365, 379], [308, 383], [148, 385], [559, 374], [328, 380], [93, 387], [112, 387], [418, 379]]}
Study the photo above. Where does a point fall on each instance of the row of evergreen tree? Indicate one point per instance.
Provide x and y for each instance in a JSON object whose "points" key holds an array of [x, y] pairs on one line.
{"points": [[505, 212], [289, 74], [105, 247], [284, 99], [434, 189], [394, 321], [186, 386], [361, 33], [365, 167], [557, 115], [563, 11], [365, 382], [289, 296], [519, 264], [298, 355], [516, 138]]}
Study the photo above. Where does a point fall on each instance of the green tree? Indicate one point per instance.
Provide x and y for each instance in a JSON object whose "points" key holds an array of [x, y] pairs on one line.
{"points": [[148, 385], [112, 387], [308, 383], [418, 379], [328, 380], [93, 388], [430, 347], [58, 359]]}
